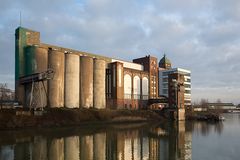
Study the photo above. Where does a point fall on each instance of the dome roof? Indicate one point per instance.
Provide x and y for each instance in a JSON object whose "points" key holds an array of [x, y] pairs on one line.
{"points": [[164, 62]]}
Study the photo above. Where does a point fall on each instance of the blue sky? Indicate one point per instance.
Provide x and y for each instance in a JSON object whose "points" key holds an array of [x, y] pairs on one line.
{"points": [[202, 36]]}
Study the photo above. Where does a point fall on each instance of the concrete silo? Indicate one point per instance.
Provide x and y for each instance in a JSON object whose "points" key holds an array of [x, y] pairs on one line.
{"points": [[72, 71], [36, 61], [86, 79], [56, 85], [99, 72]]}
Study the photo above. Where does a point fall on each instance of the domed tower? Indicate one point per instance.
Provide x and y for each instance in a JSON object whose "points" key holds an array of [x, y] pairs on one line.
{"points": [[165, 63]]}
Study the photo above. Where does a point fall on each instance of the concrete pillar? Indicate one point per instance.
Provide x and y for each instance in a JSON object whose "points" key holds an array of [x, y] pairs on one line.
{"points": [[71, 95]]}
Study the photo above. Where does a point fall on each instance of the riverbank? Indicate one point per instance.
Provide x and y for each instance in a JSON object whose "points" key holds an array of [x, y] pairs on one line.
{"points": [[204, 116], [60, 117]]}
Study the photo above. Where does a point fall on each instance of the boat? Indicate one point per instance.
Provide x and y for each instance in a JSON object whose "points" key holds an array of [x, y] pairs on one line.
{"points": [[221, 118]]}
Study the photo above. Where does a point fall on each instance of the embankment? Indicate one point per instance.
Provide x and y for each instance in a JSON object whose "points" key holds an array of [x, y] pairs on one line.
{"points": [[204, 116], [56, 117]]}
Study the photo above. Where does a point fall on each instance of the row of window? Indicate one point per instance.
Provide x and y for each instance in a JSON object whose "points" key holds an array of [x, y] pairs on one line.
{"points": [[136, 96], [170, 72]]}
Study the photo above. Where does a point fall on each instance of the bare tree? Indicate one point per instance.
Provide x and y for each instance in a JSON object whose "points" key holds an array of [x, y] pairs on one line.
{"points": [[5, 93], [218, 100], [2, 93], [203, 102], [195, 104]]}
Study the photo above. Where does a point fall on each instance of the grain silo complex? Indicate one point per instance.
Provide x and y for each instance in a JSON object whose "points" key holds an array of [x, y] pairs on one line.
{"points": [[54, 76]]}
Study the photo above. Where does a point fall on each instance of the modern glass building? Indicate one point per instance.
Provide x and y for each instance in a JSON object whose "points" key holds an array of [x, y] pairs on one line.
{"points": [[164, 71]]}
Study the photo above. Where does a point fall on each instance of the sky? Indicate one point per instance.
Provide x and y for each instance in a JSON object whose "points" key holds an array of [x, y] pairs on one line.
{"points": [[201, 36]]}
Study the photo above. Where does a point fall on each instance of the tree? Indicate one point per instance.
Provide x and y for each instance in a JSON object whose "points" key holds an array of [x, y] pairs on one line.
{"points": [[203, 102], [5, 93], [2, 93], [218, 100]]}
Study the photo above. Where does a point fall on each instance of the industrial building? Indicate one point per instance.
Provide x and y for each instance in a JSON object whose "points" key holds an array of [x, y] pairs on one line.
{"points": [[165, 73], [53, 76]]}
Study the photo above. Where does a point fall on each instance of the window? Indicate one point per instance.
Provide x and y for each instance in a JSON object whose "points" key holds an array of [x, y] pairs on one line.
{"points": [[165, 85], [145, 86], [164, 73], [127, 86], [188, 91], [187, 85], [165, 91], [165, 79]]}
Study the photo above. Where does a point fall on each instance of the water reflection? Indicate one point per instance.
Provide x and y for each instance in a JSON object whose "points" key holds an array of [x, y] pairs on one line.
{"points": [[39, 148], [121, 142], [56, 149], [168, 141], [71, 148], [7, 152], [204, 128]]}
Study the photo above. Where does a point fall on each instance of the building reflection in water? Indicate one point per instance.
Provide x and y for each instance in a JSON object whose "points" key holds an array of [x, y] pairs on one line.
{"points": [[86, 148], [71, 148], [22, 151], [99, 146], [39, 148], [7, 152], [56, 149], [204, 128], [164, 142], [184, 142]]}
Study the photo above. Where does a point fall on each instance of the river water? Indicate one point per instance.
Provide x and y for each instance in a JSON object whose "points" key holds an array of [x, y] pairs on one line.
{"points": [[175, 140]]}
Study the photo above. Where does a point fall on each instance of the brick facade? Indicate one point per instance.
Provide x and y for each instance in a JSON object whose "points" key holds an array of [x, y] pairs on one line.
{"points": [[115, 87], [151, 66], [176, 90]]}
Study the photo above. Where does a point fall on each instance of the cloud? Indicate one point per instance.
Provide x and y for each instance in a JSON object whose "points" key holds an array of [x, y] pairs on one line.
{"points": [[198, 35]]}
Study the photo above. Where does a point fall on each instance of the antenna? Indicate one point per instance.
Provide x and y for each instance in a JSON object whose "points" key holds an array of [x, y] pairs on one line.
{"points": [[20, 19]]}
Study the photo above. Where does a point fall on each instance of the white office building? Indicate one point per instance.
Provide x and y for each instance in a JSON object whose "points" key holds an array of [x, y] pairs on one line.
{"points": [[165, 68], [163, 82]]}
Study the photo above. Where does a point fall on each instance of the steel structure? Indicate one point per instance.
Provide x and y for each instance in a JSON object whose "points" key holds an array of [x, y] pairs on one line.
{"points": [[35, 82]]}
